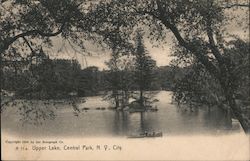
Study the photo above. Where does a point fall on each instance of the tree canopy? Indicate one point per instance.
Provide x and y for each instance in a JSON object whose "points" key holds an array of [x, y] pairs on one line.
{"points": [[197, 26]]}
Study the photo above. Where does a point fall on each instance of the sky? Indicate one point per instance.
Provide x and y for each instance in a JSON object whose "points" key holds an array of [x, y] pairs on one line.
{"points": [[98, 56]]}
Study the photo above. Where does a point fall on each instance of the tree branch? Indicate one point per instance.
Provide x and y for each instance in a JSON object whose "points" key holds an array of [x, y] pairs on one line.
{"points": [[26, 41], [199, 55], [212, 45], [235, 5], [143, 12], [9, 41]]}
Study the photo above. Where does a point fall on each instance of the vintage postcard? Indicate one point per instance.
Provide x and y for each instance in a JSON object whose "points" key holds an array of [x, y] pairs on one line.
{"points": [[125, 79]]}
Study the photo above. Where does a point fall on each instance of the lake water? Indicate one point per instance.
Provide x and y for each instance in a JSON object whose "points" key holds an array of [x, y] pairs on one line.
{"points": [[169, 119]]}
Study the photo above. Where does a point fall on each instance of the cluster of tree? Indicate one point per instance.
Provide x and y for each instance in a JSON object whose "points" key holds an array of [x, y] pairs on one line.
{"points": [[42, 79], [47, 78], [199, 27], [130, 73], [197, 86]]}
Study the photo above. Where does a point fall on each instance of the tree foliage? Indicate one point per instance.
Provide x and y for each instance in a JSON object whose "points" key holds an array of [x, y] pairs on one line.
{"points": [[144, 67], [197, 26]]}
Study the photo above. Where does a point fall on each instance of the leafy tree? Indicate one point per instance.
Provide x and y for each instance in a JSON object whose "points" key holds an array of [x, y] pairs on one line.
{"points": [[144, 66], [198, 86], [120, 79], [66, 73], [26, 26], [197, 26], [90, 81]]}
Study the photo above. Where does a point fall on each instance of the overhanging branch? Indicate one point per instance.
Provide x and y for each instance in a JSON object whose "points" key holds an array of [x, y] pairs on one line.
{"points": [[235, 5], [213, 70], [9, 41]]}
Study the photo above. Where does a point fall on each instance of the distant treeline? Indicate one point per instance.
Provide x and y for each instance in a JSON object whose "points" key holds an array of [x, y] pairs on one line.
{"points": [[61, 78]]}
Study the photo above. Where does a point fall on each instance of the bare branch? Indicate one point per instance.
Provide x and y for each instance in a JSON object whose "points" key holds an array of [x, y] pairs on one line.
{"points": [[27, 42]]}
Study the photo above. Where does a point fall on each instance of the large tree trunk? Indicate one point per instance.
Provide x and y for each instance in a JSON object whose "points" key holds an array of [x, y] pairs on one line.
{"points": [[237, 112], [219, 72]]}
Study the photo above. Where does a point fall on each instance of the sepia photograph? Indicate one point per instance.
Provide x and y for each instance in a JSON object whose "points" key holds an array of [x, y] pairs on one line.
{"points": [[125, 79]]}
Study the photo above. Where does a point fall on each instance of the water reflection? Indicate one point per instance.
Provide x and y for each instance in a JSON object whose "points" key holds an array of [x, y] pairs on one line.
{"points": [[170, 120], [121, 123], [217, 119]]}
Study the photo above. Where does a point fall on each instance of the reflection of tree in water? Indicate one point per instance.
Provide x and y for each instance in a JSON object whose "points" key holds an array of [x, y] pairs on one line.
{"points": [[146, 125], [142, 123], [217, 118], [126, 123], [151, 122], [121, 122], [74, 102]]}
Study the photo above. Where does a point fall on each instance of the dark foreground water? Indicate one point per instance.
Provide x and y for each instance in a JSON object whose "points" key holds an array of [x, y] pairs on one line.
{"points": [[170, 120]]}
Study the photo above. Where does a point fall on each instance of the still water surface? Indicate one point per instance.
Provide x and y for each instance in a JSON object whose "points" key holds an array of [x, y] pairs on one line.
{"points": [[169, 119]]}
